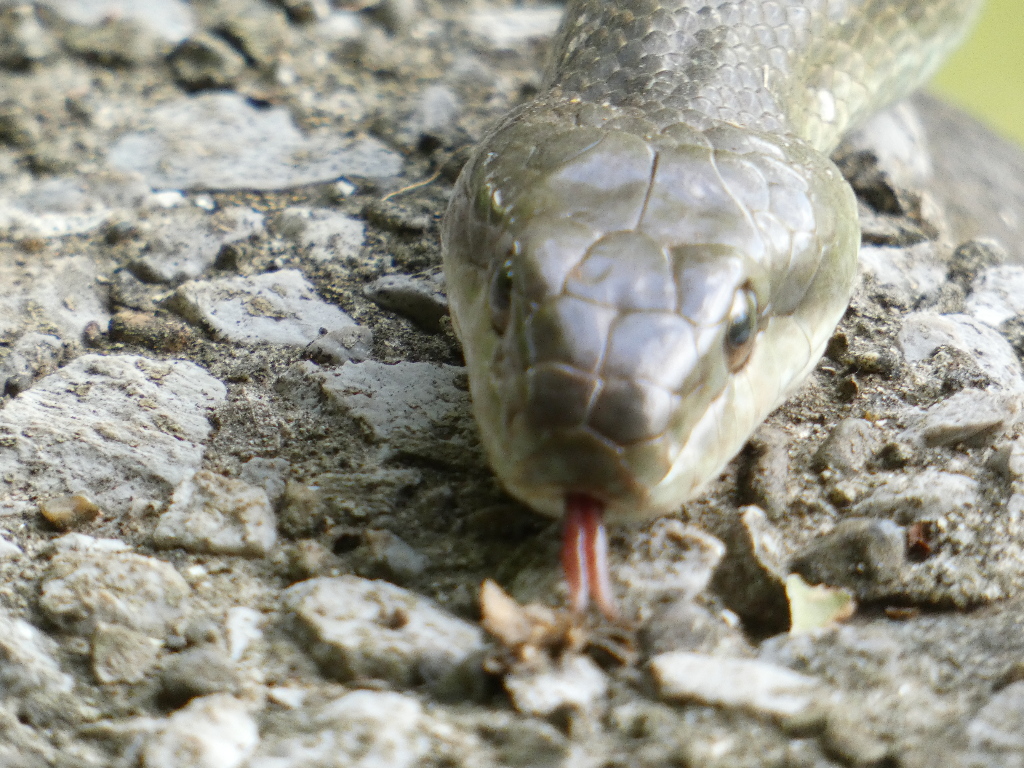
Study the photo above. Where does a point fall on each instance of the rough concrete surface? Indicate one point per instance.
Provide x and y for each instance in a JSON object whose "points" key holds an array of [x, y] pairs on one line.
{"points": [[244, 515]]}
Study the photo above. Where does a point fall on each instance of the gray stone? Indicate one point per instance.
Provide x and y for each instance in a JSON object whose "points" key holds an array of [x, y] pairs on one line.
{"points": [[930, 495], [356, 628], [923, 333], [848, 447], [218, 515], [205, 61], [420, 409], [861, 554], [220, 141], [122, 655], [354, 343], [997, 295], [27, 661], [171, 19], [970, 416], [673, 562], [211, 732], [33, 355], [362, 729], [327, 234], [575, 683], [197, 672], [269, 474], [510, 28], [125, 430], [907, 274], [754, 686], [421, 299], [81, 591], [242, 628], [274, 308], [182, 243], [62, 295], [23, 40], [55, 206], [385, 555], [999, 725]]}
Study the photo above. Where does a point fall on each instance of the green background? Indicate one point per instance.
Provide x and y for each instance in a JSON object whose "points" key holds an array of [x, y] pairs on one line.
{"points": [[986, 76]]}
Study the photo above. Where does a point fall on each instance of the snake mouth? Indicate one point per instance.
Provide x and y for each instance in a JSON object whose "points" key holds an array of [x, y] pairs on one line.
{"points": [[585, 555]]}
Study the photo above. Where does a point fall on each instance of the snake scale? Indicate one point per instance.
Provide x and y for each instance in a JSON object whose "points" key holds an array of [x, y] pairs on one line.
{"points": [[645, 260]]}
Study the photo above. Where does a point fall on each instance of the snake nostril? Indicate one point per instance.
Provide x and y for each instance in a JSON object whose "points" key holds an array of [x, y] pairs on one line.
{"points": [[500, 296]]}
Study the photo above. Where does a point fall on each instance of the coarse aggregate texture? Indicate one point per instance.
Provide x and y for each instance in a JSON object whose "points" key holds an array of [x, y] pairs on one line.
{"points": [[244, 515]]}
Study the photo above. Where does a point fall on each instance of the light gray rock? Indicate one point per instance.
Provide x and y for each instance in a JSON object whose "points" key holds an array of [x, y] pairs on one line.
{"points": [[357, 628], [575, 683], [81, 591], [61, 294], [242, 627], [999, 726], [419, 298], [930, 495], [27, 661], [864, 555], [510, 28], [23, 40], [420, 409], [182, 243], [362, 729], [211, 732], [969, 416], [32, 355], [269, 474], [924, 332], [218, 515], [906, 273], [327, 234], [997, 295], [220, 141], [123, 429], [122, 655], [195, 672], [81, 542], [171, 19], [56, 206], [275, 308], [354, 343], [747, 684]]}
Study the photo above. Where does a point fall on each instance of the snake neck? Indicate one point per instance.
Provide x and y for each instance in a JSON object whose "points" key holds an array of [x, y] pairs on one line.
{"points": [[787, 66]]}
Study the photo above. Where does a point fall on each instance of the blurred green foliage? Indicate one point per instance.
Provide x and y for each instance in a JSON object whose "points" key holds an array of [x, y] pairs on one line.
{"points": [[986, 76]]}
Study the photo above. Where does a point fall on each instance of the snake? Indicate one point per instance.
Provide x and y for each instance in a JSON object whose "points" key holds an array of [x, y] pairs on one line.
{"points": [[650, 256]]}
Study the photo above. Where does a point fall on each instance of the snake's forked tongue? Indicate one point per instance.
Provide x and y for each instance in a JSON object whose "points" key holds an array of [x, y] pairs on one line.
{"points": [[585, 555]]}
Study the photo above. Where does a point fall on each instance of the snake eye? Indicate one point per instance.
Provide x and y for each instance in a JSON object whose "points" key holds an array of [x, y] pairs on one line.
{"points": [[500, 299], [742, 328]]}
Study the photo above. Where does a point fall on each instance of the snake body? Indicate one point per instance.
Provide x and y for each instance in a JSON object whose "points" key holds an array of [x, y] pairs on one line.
{"points": [[649, 257]]}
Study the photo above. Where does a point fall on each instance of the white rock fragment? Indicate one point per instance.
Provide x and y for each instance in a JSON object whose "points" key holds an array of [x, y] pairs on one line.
{"points": [[327, 234], [122, 655], [9, 549], [357, 628], [242, 628], [211, 732], [170, 19], [218, 515], [81, 542], [577, 683], [269, 474], [66, 205], [27, 661], [924, 332], [999, 726], [183, 243], [420, 409], [997, 295], [124, 430], [79, 591], [509, 28], [275, 308], [734, 683], [362, 729], [63, 293], [220, 141]]}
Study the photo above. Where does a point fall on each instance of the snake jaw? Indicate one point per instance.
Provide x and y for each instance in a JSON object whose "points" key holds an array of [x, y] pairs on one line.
{"points": [[585, 555]]}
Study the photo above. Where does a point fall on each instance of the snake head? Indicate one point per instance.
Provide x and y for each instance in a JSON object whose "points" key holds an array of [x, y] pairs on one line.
{"points": [[633, 301]]}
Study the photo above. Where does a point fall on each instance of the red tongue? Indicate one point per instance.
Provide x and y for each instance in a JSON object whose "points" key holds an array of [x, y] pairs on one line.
{"points": [[585, 555]]}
